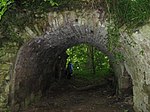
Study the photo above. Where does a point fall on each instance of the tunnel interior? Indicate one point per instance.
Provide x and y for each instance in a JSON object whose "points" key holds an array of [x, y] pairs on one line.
{"points": [[89, 65], [57, 70]]}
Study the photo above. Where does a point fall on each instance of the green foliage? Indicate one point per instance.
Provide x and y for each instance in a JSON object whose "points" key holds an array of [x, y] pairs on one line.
{"points": [[79, 56], [52, 2], [129, 13], [4, 5], [113, 36]]}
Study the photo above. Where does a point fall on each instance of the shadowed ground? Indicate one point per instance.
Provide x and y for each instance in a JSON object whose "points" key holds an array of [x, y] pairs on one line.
{"points": [[76, 95]]}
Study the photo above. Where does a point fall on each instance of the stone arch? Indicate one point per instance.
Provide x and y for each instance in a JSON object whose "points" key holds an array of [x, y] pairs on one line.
{"points": [[33, 70]]}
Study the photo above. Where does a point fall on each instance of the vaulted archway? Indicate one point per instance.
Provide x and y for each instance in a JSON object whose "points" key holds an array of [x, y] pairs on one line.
{"points": [[34, 69]]}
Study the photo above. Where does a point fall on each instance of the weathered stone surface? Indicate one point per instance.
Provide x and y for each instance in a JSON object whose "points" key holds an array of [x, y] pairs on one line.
{"points": [[137, 64]]}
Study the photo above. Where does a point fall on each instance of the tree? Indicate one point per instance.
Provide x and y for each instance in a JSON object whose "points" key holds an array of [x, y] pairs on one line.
{"points": [[90, 58]]}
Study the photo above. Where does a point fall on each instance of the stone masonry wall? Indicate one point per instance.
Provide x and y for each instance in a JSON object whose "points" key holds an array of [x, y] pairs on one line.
{"points": [[136, 50]]}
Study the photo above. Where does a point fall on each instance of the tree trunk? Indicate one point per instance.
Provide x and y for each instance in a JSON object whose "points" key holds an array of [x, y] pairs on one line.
{"points": [[90, 59]]}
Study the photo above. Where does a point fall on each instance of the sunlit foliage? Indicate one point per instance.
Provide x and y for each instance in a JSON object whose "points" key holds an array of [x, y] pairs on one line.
{"points": [[4, 6], [80, 56]]}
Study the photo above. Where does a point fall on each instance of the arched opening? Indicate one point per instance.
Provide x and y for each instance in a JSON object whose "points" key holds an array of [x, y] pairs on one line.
{"points": [[91, 65], [36, 62], [64, 94], [42, 59]]}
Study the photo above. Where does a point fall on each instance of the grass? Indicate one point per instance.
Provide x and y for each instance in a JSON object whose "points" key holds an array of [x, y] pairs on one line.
{"points": [[88, 75]]}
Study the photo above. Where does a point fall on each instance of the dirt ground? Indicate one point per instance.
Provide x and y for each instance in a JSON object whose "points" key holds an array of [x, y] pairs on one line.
{"points": [[64, 97]]}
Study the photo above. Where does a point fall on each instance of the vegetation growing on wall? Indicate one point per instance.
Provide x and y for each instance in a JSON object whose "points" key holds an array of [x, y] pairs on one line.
{"points": [[127, 15]]}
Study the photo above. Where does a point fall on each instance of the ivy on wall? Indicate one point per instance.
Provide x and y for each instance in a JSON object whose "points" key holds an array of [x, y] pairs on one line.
{"points": [[129, 13], [126, 15]]}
